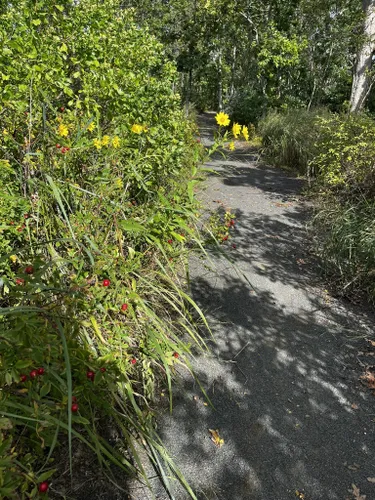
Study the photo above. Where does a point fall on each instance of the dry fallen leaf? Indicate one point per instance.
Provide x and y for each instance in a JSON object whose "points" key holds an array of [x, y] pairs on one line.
{"points": [[354, 406], [372, 343], [369, 378], [300, 495], [215, 438], [371, 479], [357, 493]]}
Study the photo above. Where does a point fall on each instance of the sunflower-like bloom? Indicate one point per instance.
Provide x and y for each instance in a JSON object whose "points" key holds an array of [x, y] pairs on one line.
{"points": [[222, 119]]}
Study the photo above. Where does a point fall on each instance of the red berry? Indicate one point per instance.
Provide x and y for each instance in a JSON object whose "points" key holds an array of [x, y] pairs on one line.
{"points": [[106, 282], [133, 361], [33, 373], [11, 223], [124, 307], [170, 242], [58, 146], [29, 270], [74, 399], [90, 375], [103, 369], [234, 246], [23, 378], [20, 281], [67, 149], [176, 355], [62, 109], [63, 150], [225, 238], [26, 216], [74, 408], [43, 487], [232, 222], [40, 371]]}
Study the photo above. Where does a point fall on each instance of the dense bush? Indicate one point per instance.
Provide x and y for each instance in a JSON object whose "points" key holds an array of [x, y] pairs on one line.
{"points": [[344, 159], [289, 138], [346, 175], [96, 207], [247, 106], [339, 151]]}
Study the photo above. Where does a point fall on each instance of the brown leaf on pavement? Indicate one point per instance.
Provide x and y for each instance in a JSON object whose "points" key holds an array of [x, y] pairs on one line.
{"points": [[357, 494], [369, 378], [215, 438]]}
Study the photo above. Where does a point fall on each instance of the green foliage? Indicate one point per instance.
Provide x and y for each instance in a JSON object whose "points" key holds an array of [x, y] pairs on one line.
{"points": [[345, 154], [247, 106], [346, 242], [289, 138], [98, 167]]}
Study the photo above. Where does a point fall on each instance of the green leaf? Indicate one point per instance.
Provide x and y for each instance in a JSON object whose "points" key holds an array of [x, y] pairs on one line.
{"points": [[80, 420], [5, 424], [46, 475], [45, 389], [131, 225], [23, 364]]}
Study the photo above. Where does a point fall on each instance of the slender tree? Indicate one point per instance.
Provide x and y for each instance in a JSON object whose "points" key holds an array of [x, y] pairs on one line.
{"points": [[363, 79]]}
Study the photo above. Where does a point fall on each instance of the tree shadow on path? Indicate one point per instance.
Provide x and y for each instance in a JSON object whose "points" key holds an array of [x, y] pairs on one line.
{"points": [[282, 374]]}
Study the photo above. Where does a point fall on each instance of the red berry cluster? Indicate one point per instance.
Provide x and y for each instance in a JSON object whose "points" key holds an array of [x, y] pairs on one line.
{"points": [[33, 374]]}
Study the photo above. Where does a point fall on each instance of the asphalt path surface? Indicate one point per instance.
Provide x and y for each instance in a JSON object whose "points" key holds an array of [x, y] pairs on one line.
{"points": [[283, 372]]}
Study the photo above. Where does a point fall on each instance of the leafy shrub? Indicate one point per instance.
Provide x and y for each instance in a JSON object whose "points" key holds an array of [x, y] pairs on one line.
{"points": [[98, 167], [247, 106], [345, 154], [289, 138]]}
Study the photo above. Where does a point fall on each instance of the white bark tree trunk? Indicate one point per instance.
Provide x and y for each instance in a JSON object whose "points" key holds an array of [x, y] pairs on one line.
{"points": [[362, 78]]}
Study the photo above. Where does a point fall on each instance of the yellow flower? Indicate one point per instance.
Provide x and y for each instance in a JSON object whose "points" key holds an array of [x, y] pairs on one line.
{"points": [[245, 132], [63, 130], [13, 258], [119, 183], [116, 142], [137, 129], [222, 119], [236, 130], [91, 127], [5, 132], [97, 143], [231, 146], [106, 140]]}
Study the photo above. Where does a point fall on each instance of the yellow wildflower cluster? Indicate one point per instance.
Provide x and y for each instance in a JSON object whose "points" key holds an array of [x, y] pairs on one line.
{"points": [[138, 129], [63, 130], [231, 146], [222, 119], [236, 130], [106, 141], [245, 132], [91, 127]]}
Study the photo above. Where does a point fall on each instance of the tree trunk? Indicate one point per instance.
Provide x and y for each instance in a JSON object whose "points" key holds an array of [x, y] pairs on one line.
{"points": [[220, 82], [362, 80]]}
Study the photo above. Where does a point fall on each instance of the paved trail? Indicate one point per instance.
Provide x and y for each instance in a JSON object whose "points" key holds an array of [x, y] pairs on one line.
{"points": [[283, 374]]}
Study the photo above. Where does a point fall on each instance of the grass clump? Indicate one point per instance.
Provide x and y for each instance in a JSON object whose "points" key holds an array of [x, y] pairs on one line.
{"points": [[289, 138]]}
